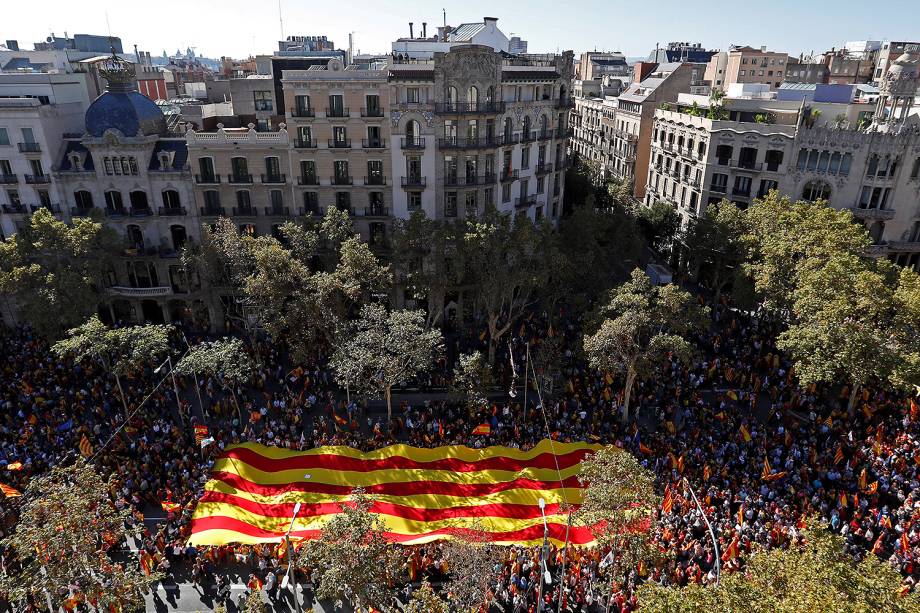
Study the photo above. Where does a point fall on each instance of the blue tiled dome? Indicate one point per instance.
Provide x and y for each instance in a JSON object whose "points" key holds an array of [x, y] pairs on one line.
{"points": [[128, 112]]}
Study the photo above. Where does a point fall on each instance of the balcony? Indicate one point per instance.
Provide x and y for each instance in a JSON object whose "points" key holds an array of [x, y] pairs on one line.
{"points": [[13, 208], [141, 211], [80, 212], [300, 143], [172, 211], [344, 143], [741, 193], [115, 213], [245, 211], [414, 142], [340, 180], [303, 112], [413, 182], [375, 180], [485, 179], [30, 148], [447, 108], [38, 179], [376, 211], [9, 179], [718, 189], [307, 180], [545, 135], [340, 112], [507, 140], [746, 166], [139, 292], [371, 112], [373, 143], [543, 168], [277, 211], [274, 179], [873, 214], [212, 211], [207, 179], [909, 246], [313, 209], [525, 201], [239, 179], [509, 175], [469, 143]]}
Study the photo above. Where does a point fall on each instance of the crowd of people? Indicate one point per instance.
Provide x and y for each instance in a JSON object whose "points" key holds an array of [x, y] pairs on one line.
{"points": [[761, 453]]}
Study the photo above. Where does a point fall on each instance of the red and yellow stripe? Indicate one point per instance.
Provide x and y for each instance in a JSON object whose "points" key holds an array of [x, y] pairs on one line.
{"points": [[421, 495]]}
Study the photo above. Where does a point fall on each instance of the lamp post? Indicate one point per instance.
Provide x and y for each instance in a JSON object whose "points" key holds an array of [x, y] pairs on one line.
{"points": [[172, 373], [712, 534], [289, 577], [544, 553]]}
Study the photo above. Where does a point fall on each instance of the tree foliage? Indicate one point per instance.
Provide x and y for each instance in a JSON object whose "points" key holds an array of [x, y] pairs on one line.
{"points": [[471, 561], [351, 560], [225, 358], [52, 271], [658, 223], [641, 323], [67, 524], [383, 349], [619, 504], [425, 600], [472, 378], [813, 575], [714, 245]]}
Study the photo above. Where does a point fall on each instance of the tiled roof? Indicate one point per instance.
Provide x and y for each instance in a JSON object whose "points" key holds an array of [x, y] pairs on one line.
{"points": [[466, 31]]}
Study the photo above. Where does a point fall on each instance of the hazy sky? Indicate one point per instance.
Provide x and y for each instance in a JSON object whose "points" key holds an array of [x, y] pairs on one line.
{"points": [[242, 27]]}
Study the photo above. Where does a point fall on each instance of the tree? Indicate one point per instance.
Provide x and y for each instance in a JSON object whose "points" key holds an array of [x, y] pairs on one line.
{"points": [[67, 525], [429, 256], [351, 559], [254, 602], [787, 239], [507, 264], [714, 242], [224, 358], [471, 561], [619, 504], [119, 350], [642, 323], [425, 600], [53, 271], [385, 349], [472, 378], [856, 320], [815, 574], [658, 223]]}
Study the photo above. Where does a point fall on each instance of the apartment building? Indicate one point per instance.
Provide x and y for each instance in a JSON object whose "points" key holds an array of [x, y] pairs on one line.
{"points": [[622, 138], [36, 111], [760, 145], [743, 64], [124, 167]]}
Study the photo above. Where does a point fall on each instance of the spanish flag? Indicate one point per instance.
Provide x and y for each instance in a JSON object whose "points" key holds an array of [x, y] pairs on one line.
{"points": [[905, 543], [482, 430], [86, 448], [170, 507], [14, 466], [201, 433], [644, 449], [914, 410], [667, 502], [863, 477], [745, 434], [421, 495], [706, 473], [341, 421], [9, 492], [732, 550], [843, 500]]}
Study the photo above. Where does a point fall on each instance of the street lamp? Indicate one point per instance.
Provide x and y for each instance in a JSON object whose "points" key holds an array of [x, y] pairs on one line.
{"points": [[172, 373], [288, 577], [544, 553]]}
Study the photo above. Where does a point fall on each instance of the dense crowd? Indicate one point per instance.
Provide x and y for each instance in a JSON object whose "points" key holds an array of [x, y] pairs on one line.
{"points": [[761, 453]]}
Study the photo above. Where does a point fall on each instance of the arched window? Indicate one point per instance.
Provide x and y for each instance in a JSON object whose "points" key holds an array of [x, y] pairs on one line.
{"points": [[139, 202], [544, 126], [413, 131], [83, 199], [171, 199], [490, 94], [472, 96], [509, 128], [113, 202], [816, 190], [526, 129], [452, 97]]}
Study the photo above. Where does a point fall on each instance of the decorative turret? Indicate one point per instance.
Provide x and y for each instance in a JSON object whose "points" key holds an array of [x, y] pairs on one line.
{"points": [[121, 107], [898, 87]]}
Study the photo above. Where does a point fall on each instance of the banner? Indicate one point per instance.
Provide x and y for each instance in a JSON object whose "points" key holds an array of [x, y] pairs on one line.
{"points": [[422, 495]]}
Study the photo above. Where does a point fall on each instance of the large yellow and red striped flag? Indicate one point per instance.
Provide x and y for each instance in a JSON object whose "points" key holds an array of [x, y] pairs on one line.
{"points": [[421, 495]]}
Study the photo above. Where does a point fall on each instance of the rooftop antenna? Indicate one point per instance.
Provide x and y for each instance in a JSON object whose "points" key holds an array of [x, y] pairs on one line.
{"points": [[107, 25], [280, 20]]}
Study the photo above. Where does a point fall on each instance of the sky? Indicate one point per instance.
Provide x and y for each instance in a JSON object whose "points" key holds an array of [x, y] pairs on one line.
{"points": [[239, 28]]}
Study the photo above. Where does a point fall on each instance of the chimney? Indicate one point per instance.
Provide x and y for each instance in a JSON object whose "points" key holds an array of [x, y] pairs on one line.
{"points": [[490, 22], [411, 35], [424, 29]]}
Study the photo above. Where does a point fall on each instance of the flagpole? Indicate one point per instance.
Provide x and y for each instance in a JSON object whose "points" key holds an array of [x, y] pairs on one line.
{"points": [[712, 534]]}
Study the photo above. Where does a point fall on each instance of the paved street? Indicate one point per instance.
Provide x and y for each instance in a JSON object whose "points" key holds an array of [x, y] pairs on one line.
{"points": [[186, 598]]}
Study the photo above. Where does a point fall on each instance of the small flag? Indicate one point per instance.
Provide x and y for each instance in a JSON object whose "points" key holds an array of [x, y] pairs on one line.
{"points": [[788, 438], [170, 507], [680, 464], [914, 410], [732, 550], [863, 478], [86, 448], [201, 433], [706, 473], [14, 466], [733, 395], [668, 502], [905, 543], [873, 487], [767, 470], [644, 449], [843, 500], [206, 441], [340, 420], [828, 422], [9, 492], [838, 457], [482, 429], [741, 515], [745, 434]]}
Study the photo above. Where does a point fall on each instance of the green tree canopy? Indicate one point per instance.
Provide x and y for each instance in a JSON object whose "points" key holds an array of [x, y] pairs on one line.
{"points": [[715, 247], [658, 223], [53, 271], [641, 323]]}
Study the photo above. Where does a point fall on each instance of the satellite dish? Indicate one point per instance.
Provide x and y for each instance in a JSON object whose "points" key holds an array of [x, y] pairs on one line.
{"points": [[49, 39]]}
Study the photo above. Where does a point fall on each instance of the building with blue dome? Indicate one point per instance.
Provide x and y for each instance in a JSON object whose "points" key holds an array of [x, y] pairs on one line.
{"points": [[121, 107]]}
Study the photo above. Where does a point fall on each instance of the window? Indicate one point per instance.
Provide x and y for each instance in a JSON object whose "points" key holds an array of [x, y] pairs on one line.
{"points": [[273, 169], [113, 202], [816, 190], [339, 136], [472, 206], [138, 201], [304, 136], [308, 172], [506, 192], [915, 170], [742, 73], [414, 201], [248, 229], [742, 186], [301, 105], [171, 199], [450, 204], [343, 201], [874, 197], [263, 100], [336, 106], [83, 199], [489, 196], [373, 105], [374, 172], [205, 167], [340, 171], [541, 185], [412, 95], [240, 169], [525, 157], [450, 130], [765, 186], [724, 154], [276, 198], [310, 203], [719, 183], [4, 137], [13, 195], [773, 158], [212, 201], [472, 96]]}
